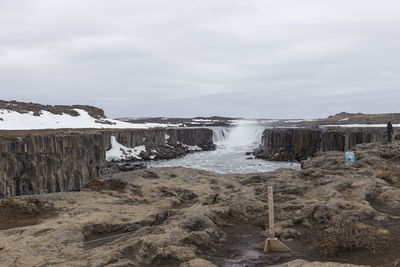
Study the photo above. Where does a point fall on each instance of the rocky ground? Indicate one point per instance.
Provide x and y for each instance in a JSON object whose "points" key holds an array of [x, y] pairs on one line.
{"points": [[328, 212]]}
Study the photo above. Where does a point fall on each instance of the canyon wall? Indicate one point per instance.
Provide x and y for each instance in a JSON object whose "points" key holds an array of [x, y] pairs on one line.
{"points": [[45, 163], [201, 137], [35, 162], [301, 143]]}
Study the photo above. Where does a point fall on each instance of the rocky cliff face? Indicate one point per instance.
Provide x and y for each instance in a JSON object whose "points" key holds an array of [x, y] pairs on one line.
{"points": [[35, 162], [46, 163], [201, 137], [162, 143], [298, 144]]}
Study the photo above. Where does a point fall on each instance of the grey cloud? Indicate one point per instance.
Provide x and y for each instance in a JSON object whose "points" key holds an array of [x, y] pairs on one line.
{"points": [[285, 59]]}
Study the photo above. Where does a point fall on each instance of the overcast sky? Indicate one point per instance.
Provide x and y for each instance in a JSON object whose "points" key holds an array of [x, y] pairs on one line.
{"points": [[255, 59]]}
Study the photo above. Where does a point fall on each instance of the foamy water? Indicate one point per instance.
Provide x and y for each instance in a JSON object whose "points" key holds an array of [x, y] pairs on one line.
{"points": [[229, 157]]}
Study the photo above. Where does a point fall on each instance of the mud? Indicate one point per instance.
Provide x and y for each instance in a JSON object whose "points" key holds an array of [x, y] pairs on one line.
{"points": [[240, 248]]}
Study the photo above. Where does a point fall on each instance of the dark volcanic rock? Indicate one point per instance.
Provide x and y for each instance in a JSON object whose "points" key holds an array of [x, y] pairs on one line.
{"points": [[162, 143], [46, 161], [301, 143], [130, 166]]}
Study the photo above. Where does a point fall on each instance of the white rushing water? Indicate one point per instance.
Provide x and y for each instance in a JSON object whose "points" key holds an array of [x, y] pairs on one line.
{"points": [[229, 157]]}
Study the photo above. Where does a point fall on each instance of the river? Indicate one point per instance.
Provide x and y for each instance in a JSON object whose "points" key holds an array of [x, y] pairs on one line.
{"points": [[230, 156]]}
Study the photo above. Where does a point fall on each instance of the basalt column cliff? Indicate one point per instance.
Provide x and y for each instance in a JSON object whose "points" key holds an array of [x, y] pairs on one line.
{"points": [[35, 162], [301, 143]]}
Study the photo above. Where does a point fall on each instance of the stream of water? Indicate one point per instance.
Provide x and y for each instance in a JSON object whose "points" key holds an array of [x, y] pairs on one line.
{"points": [[230, 155]]}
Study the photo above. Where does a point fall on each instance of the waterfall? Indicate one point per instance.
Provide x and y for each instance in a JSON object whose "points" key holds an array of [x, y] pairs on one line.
{"points": [[219, 134], [230, 155], [243, 134]]}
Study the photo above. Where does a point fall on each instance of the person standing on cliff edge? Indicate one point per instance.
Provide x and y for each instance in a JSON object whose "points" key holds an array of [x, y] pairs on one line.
{"points": [[389, 129]]}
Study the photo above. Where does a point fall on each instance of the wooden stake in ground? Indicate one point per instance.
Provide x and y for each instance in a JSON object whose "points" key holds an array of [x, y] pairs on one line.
{"points": [[272, 243]]}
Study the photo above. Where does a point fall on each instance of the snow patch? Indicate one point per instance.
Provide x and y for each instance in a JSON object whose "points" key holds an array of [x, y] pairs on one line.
{"points": [[345, 119], [120, 152], [191, 148], [167, 137], [203, 120], [293, 121]]}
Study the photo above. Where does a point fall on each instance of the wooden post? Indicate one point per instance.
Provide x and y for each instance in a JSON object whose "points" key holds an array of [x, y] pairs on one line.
{"points": [[271, 212], [272, 243]]}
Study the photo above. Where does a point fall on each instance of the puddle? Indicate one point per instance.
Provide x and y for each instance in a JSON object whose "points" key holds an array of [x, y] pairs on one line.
{"points": [[240, 250]]}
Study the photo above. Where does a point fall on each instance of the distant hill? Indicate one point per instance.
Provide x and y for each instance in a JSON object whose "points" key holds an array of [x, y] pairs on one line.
{"points": [[345, 118], [23, 107], [188, 122]]}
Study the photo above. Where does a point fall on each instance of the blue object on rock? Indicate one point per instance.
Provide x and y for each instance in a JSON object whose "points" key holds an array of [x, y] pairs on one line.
{"points": [[350, 158]]}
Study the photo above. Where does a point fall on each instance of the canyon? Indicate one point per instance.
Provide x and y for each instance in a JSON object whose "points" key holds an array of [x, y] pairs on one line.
{"points": [[46, 161]]}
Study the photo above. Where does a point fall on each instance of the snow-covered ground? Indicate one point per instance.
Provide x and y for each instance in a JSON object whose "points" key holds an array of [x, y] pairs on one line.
{"points": [[120, 152], [293, 121], [191, 148], [12, 120]]}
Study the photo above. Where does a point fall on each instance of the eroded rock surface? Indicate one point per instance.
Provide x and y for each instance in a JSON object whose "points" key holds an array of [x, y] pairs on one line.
{"points": [[186, 217]]}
